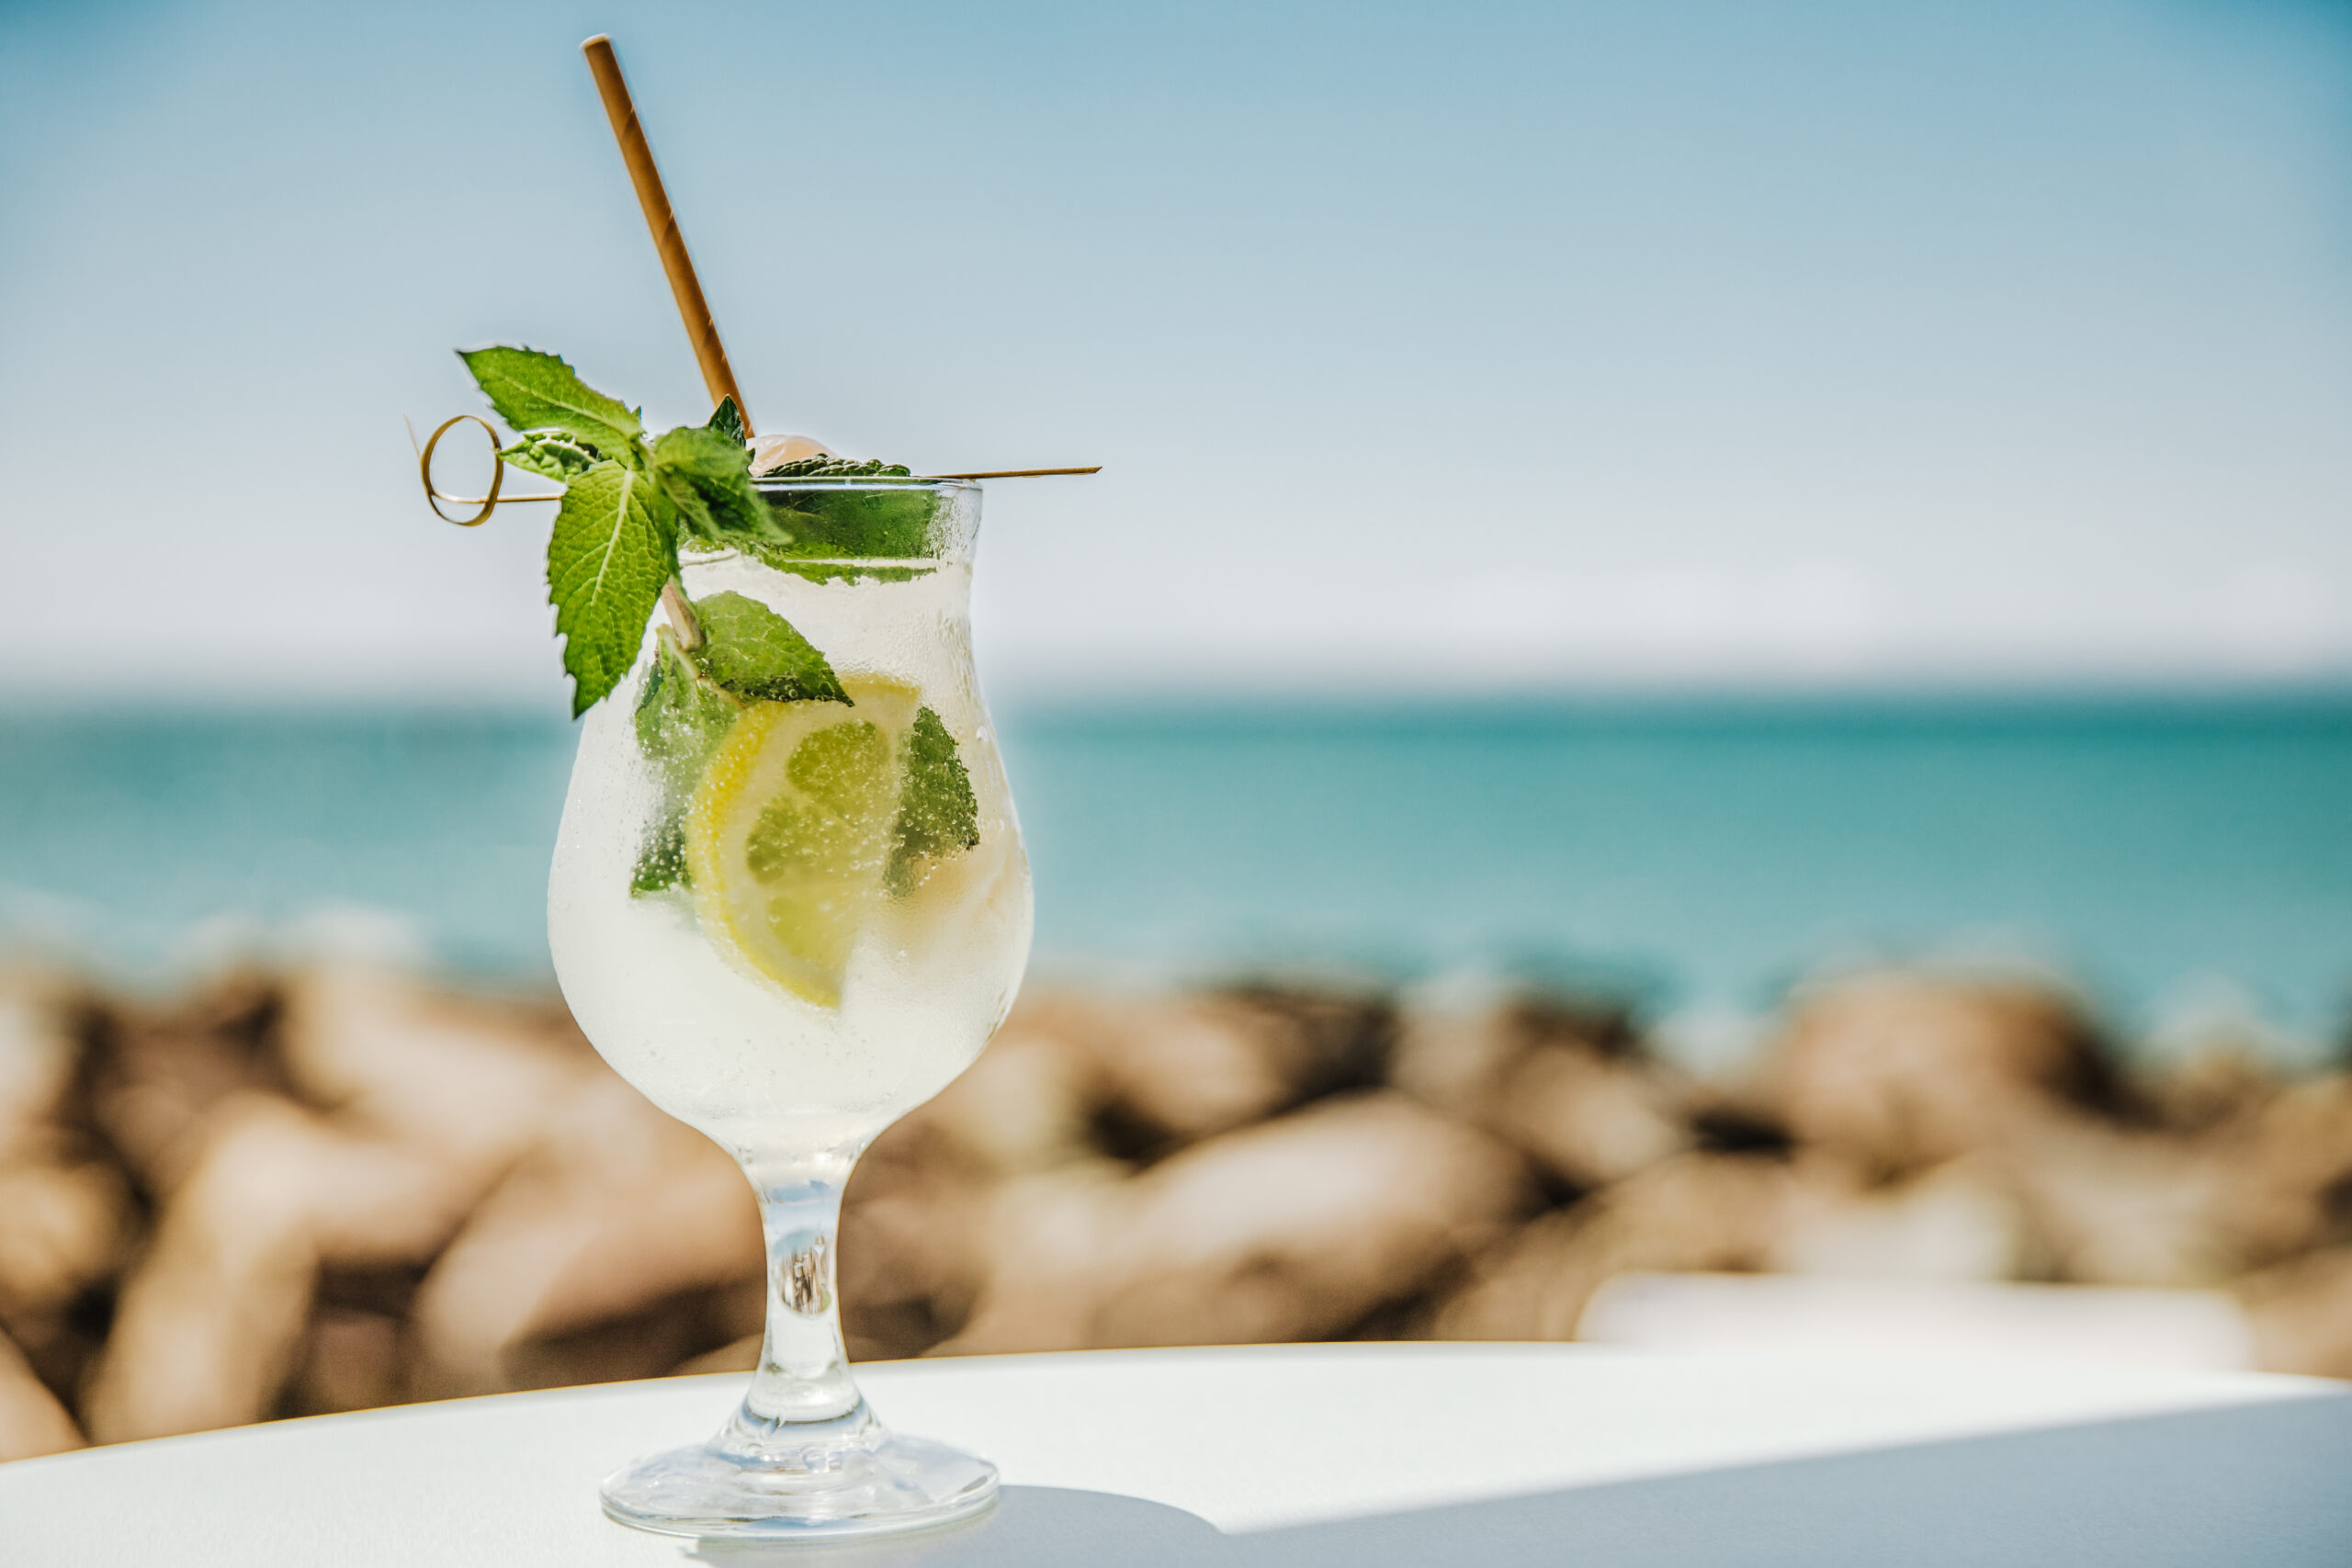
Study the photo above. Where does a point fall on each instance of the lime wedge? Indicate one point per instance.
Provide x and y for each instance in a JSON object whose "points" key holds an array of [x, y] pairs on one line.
{"points": [[787, 834]]}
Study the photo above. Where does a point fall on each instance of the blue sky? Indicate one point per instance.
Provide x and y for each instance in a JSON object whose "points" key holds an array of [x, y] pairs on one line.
{"points": [[1459, 345]]}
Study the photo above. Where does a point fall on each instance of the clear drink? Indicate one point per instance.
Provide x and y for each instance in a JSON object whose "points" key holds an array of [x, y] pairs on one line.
{"points": [[788, 918]]}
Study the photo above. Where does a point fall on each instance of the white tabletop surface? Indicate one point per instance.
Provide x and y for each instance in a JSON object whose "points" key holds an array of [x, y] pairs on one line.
{"points": [[1353, 1453]]}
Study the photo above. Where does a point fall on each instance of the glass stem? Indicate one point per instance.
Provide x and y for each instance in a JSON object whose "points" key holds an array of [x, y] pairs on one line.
{"points": [[802, 1404]]}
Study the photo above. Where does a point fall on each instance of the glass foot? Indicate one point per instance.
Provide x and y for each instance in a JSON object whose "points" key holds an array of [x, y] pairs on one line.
{"points": [[897, 1483]]}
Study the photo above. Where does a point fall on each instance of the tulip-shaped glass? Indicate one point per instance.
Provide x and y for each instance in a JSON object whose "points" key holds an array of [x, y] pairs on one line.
{"points": [[789, 902]]}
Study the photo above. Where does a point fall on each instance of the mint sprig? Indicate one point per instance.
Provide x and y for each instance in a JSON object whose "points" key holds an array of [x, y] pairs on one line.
{"points": [[627, 503], [631, 503]]}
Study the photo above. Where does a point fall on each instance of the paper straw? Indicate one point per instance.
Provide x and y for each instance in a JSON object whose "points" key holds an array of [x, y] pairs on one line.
{"points": [[700, 329]]}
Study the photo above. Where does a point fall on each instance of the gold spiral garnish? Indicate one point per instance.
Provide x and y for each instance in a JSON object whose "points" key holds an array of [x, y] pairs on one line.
{"points": [[488, 503]]}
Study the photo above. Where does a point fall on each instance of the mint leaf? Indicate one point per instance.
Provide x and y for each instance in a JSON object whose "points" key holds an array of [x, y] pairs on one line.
{"points": [[557, 457], [751, 651], [728, 419], [708, 474], [681, 720], [538, 391], [662, 861], [710, 454], [615, 544], [810, 530], [938, 814], [681, 716], [887, 523]]}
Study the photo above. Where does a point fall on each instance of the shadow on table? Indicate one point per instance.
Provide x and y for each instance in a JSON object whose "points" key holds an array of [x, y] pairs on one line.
{"points": [[2250, 1486], [1031, 1527]]}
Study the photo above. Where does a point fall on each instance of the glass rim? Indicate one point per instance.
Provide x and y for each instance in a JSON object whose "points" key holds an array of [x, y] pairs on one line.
{"points": [[864, 481], [694, 555]]}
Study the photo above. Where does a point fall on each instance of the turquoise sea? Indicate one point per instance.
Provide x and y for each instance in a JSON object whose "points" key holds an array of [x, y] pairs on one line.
{"points": [[1691, 854]]}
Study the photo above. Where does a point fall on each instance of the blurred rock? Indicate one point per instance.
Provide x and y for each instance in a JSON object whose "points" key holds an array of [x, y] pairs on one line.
{"points": [[468, 1079], [1297, 1229], [430, 1098], [1962, 1220], [68, 1217], [2301, 1314], [208, 1325], [2211, 1090], [1903, 1071], [739, 1355], [1696, 1212], [40, 1055], [155, 1074], [1174, 1069], [2285, 1171], [32, 1421], [347, 1186], [1586, 1119], [2114, 1206], [911, 1264], [1029, 1103], [1292, 1230], [1566, 1087], [617, 1208], [653, 1342], [62, 1229], [211, 1320], [1457, 1041], [349, 1360], [1050, 1244]]}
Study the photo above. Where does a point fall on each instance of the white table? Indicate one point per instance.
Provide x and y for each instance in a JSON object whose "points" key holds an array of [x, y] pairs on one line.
{"points": [[1351, 1454]]}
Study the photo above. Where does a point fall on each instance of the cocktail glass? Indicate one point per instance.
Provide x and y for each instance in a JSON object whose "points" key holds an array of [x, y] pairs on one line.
{"points": [[788, 922]]}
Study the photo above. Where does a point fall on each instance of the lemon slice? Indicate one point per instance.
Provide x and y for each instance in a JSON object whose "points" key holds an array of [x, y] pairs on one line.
{"points": [[787, 834]]}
